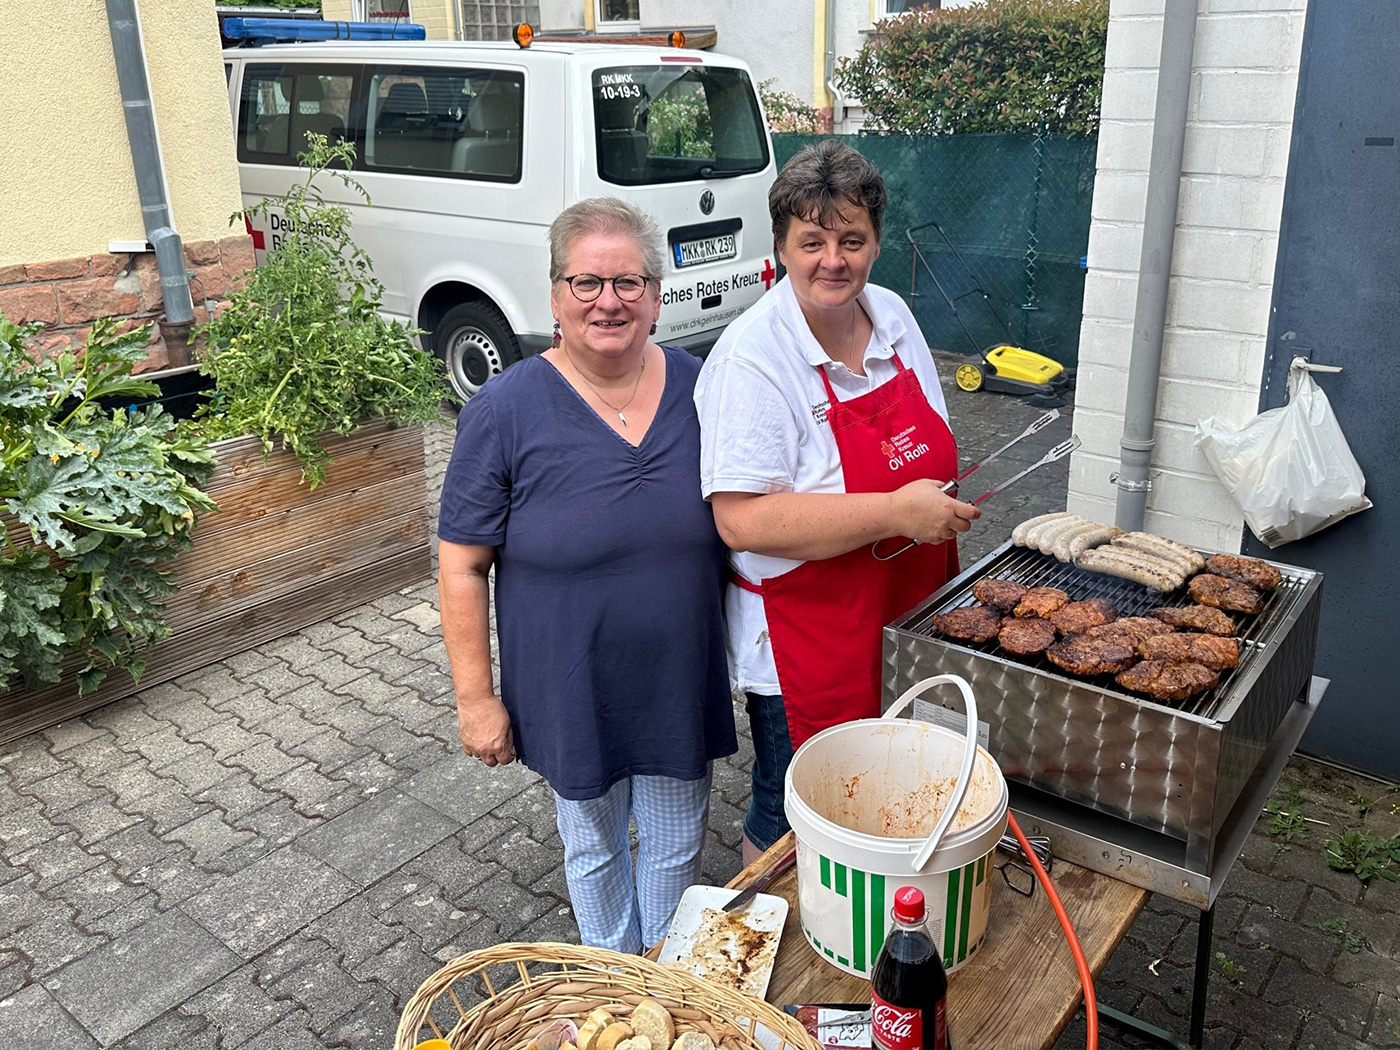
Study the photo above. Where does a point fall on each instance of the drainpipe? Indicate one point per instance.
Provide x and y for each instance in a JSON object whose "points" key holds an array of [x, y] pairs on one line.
{"points": [[838, 100], [135, 86], [1133, 477]]}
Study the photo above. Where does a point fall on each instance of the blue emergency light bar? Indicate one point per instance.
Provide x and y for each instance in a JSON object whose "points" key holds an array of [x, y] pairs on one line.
{"points": [[292, 30]]}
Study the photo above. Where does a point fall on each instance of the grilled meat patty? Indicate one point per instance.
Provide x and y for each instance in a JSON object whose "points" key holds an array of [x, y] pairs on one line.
{"points": [[1041, 601], [1078, 617], [999, 594], [1221, 592], [1168, 679], [1197, 618], [1258, 574], [1080, 654], [1130, 630], [1215, 652], [976, 623], [1026, 636]]}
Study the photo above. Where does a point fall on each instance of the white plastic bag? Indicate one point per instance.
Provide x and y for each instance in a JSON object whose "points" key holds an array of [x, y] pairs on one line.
{"points": [[1290, 468]]}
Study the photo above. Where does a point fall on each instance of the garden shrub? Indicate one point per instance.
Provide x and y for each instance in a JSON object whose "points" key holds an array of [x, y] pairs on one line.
{"points": [[1002, 66]]}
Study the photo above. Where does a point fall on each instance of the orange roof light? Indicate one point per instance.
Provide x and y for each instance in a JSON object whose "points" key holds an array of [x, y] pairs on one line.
{"points": [[524, 34], [677, 38]]}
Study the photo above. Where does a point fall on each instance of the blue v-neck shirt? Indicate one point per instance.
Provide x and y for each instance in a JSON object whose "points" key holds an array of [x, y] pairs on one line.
{"points": [[609, 578]]}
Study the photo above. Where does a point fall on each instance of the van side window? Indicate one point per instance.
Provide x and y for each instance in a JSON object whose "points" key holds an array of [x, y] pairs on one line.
{"points": [[661, 124], [280, 104], [455, 123]]}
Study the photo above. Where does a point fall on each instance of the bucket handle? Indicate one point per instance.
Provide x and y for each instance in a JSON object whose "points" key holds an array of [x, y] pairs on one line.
{"points": [[964, 773]]}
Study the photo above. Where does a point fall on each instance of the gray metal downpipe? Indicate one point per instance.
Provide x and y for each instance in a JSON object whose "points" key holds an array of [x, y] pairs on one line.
{"points": [[125, 27], [829, 65], [1154, 268]]}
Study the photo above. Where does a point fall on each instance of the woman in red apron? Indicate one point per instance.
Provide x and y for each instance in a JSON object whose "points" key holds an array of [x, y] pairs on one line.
{"points": [[823, 435]]}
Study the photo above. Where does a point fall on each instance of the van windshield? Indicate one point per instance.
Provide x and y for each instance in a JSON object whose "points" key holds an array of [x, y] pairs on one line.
{"points": [[669, 124]]}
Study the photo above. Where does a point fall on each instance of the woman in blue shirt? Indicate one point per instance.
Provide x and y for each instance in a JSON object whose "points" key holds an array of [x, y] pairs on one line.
{"points": [[575, 474]]}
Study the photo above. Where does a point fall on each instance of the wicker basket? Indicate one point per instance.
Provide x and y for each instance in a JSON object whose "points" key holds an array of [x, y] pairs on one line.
{"points": [[575, 980]]}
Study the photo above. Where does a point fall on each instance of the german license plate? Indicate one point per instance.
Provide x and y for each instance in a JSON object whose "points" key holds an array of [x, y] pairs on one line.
{"points": [[706, 249]]}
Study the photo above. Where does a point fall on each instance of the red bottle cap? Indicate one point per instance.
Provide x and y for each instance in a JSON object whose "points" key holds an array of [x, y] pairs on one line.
{"points": [[909, 904]]}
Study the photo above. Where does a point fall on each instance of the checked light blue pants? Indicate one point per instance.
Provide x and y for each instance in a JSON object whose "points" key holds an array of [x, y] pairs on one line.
{"points": [[613, 909]]}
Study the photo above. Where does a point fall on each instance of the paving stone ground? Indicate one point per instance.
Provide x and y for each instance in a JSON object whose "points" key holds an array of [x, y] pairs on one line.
{"points": [[275, 850]]}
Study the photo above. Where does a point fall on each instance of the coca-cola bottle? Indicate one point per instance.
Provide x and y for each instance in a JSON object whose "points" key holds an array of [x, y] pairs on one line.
{"points": [[909, 988]]}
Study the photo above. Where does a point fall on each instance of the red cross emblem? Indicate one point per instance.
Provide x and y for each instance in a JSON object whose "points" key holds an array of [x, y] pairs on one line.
{"points": [[768, 274], [886, 449], [255, 234]]}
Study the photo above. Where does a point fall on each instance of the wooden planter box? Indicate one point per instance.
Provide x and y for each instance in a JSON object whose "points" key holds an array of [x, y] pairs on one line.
{"points": [[273, 559]]}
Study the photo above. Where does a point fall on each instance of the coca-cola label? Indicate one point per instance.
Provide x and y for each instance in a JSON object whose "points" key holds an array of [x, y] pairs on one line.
{"points": [[902, 1027]]}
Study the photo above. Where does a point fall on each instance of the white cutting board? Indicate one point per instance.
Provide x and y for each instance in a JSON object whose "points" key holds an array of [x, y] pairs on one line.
{"points": [[707, 941]]}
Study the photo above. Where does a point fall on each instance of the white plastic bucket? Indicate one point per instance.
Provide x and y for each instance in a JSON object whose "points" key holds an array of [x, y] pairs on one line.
{"points": [[862, 797]]}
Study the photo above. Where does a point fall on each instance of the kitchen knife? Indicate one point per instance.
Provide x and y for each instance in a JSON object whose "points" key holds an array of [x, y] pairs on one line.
{"points": [[742, 898]]}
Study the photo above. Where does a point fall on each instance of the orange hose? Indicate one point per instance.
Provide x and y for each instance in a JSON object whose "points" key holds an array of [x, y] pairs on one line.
{"points": [[1091, 1006]]}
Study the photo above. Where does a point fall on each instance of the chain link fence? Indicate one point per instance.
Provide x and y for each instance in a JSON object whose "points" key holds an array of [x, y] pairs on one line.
{"points": [[1005, 227]]}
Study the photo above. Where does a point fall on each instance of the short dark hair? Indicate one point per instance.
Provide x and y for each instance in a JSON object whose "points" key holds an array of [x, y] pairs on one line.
{"points": [[819, 181]]}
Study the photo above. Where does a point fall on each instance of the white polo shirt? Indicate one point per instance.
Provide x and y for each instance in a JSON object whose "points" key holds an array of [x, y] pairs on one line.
{"points": [[763, 429]]}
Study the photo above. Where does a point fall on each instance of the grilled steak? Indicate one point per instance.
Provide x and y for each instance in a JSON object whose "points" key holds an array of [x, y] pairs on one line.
{"points": [[1168, 680], [1219, 654], [1041, 601], [1078, 617], [1026, 636], [1197, 618], [976, 623], [1080, 654], [999, 594], [1224, 593], [1130, 630], [1258, 574]]}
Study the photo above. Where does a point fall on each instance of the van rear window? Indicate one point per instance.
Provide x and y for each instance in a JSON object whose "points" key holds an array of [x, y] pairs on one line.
{"points": [[664, 124]]}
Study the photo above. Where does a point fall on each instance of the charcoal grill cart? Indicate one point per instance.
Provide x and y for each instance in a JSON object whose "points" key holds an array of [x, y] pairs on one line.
{"points": [[1158, 795]]}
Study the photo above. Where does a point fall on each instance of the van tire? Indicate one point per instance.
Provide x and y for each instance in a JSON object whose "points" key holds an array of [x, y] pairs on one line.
{"points": [[475, 343]]}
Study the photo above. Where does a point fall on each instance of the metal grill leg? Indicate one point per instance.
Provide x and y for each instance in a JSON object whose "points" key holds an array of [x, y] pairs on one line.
{"points": [[1204, 931]]}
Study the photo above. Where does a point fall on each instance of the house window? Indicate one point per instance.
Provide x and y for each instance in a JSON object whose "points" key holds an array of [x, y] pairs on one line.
{"points": [[495, 19], [887, 8], [617, 16], [380, 11]]}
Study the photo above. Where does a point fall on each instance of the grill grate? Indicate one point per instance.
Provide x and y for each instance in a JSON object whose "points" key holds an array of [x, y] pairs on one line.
{"points": [[1033, 569]]}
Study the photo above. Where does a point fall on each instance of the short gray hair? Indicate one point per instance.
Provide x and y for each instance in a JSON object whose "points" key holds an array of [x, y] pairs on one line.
{"points": [[605, 215], [818, 181]]}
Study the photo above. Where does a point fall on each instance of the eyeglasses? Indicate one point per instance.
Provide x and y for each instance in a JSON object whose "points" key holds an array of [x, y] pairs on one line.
{"points": [[628, 287]]}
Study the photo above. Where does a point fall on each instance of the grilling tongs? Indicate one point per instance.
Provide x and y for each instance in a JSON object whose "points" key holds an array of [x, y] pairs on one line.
{"points": [[1060, 451]]}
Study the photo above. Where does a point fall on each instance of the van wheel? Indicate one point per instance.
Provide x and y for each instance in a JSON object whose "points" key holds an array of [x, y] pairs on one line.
{"points": [[475, 342]]}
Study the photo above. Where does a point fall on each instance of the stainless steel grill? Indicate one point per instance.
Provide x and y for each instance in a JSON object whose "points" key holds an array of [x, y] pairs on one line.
{"points": [[1166, 777]]}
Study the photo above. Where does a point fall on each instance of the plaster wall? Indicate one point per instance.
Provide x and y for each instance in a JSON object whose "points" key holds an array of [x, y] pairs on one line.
{"points": [[1236, 158], [66, 174]]}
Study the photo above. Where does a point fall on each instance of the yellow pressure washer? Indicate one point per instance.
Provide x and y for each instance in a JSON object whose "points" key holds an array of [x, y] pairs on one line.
{"points": [[1004, 368]]}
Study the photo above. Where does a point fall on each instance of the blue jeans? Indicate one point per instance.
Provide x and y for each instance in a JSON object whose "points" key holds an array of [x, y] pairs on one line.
{"points": [[765, 823]]}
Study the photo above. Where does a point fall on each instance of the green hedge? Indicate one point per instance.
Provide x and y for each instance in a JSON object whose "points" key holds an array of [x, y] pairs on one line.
{"points": [[1002, 66]]}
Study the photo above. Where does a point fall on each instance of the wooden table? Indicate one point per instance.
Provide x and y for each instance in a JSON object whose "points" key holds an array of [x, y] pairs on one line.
{"points": [[1021, 988]]}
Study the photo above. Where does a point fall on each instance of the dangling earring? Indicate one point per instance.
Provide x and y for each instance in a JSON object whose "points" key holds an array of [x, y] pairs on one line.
{"points": [[653, 328], [554, 342]]}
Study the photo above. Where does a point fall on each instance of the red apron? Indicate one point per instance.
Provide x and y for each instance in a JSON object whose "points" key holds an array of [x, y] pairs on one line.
{"points": [[826, 617]]}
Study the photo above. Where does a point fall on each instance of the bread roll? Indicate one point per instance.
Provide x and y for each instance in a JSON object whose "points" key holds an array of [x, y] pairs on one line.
{"points": [[637, 1042], [694, 1041], [593, 1027], [651, 1019], [612, 1035]]}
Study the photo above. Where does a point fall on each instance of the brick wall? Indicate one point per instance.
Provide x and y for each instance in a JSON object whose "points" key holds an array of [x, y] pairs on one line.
{"points": [[1236, 157], [67, 295]]}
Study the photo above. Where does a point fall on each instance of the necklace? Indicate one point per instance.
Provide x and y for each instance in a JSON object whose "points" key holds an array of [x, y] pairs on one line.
{"points": [[621, 411]]}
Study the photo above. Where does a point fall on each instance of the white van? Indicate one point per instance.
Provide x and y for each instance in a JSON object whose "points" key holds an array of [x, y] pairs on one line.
{"points": [[469, 151]]}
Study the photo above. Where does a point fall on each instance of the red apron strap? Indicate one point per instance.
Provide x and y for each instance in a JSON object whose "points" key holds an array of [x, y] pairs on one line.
{"points": [[743, 584]]}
